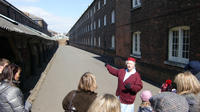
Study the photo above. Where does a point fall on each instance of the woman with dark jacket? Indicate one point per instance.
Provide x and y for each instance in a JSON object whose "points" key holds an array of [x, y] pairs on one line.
{"points": [[80, 100], [11, 97], [189, 87]]}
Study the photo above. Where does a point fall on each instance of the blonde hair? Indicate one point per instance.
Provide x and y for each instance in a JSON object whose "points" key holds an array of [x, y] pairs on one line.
{"points": [[105, 103], [187, 83], [87, 82]]}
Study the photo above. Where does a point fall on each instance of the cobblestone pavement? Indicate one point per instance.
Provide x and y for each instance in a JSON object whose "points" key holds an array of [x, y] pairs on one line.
{"points": [[63, 73]]}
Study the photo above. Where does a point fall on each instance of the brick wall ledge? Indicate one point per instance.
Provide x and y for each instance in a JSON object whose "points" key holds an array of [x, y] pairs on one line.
{"points": [[136, 56], [175, 64]]}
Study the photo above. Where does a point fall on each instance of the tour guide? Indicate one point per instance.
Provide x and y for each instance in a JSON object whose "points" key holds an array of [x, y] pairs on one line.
{"points": [[129, 83]]}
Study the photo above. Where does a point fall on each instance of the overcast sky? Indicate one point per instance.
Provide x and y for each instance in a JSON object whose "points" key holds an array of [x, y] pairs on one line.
{"points": [[60, 15]]}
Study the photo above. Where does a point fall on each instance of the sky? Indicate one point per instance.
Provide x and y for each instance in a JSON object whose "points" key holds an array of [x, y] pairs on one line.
{"points": [[60, 15]]}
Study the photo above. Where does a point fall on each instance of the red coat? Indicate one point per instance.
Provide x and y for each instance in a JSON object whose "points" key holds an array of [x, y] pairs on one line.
{"points": [[126, 96]]}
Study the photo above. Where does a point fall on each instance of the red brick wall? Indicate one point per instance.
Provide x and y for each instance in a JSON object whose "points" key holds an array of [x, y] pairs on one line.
{"points": [[154, 19], [123, 32]]}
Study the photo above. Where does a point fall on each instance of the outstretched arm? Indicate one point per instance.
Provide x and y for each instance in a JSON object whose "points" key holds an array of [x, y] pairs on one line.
{"points": [[112, 70]]}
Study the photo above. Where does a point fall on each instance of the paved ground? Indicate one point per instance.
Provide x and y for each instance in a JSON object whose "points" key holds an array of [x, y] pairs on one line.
{"points": [[63, 74]]}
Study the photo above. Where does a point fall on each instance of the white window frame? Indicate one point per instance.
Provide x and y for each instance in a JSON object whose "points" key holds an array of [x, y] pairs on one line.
{"points": [[113, 16], [99, 5], [88, 15], [91, 13], [94, 25], [178, 58], [136, 44], [88, 41], [91, 27], [136, 3], [99, 42], [94, 41], [104, 20], [91, 41], [99, 23], [94, 9], [113, 42]]}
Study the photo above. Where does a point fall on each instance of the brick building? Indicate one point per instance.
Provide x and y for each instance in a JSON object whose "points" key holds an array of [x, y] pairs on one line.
{"points": [[95, 29], [40, 22], [23, 43], [162, 35], [13, 13]]}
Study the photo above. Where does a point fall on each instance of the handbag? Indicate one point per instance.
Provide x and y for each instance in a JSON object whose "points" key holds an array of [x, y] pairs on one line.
{"points": [[71, 107]]}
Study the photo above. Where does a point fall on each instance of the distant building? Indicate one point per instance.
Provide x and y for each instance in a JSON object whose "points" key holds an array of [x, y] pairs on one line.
{"points": [[40, 22], [95, 29], [53, 33], [60, 36]]}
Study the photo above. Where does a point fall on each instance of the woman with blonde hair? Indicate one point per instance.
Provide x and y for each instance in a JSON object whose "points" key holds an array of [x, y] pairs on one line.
{"points": [[80, 100], [105, 103], [189, 87]]}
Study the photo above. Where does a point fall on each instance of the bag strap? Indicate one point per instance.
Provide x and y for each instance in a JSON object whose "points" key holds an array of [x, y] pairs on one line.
{"points": [[70, 104]]}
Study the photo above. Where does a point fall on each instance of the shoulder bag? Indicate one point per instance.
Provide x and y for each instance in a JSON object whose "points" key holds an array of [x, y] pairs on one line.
{"points": [[71, 107]]}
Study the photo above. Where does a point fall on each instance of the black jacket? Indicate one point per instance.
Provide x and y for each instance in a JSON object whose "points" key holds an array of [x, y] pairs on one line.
{"points": [[81, 101]]}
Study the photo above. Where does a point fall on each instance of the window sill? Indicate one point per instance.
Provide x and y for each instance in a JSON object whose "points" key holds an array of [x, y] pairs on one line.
{"points": [[177, 64], [136, 7], [135, 55], [112, 48]]}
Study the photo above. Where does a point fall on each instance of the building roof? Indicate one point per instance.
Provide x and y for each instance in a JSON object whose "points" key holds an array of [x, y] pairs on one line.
{"points": [[33, 17], [15, 9], [13, 26]]}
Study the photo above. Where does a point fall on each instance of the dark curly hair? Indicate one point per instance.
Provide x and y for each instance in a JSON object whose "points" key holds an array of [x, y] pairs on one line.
{"points": [[9, 72]]}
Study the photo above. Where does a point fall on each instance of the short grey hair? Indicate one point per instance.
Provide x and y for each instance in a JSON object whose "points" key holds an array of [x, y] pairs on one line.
{"points": [[127, 61]]}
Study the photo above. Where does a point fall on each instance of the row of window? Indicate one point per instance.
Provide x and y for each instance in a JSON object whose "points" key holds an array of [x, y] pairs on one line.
{"points": [[92, 42], [135, 4], [178, 45], [93, 11], [92, 26]]}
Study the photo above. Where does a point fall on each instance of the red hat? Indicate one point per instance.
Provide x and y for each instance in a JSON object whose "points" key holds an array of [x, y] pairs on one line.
{"points": [[168, 82], [131, 59]]}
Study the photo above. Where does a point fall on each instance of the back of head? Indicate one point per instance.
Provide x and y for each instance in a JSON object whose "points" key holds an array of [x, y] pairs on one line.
{"points": [[169, 102], [145, 95], [187, 83], [9, 72], [105, 103], [3, 63], [87, 82], [193, 67]]}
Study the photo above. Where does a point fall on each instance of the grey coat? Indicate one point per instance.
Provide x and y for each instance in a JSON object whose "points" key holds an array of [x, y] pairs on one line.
{"points": [[193, 101], [11, 98]]}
